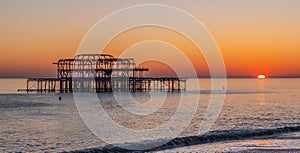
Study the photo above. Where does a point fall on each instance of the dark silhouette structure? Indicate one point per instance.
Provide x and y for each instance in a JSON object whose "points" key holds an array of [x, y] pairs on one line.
{"points": [[101, 73]]}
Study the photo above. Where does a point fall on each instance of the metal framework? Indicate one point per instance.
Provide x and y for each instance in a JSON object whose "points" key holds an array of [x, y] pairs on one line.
{"points": [[101, 73]]}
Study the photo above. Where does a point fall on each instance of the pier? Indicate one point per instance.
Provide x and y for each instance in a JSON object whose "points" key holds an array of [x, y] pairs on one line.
{"points": [[101, 73]]}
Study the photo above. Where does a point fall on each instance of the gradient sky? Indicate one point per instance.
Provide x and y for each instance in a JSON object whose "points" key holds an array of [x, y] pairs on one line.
{"points": [[255, 36]]}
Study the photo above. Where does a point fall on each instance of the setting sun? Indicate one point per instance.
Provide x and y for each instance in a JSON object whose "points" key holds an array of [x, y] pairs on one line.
{"points": [[261, 76]]}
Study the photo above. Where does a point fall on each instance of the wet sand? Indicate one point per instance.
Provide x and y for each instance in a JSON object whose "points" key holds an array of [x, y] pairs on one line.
{"points": [[270, 150]]}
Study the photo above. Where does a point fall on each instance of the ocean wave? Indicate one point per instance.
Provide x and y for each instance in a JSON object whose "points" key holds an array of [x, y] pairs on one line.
{"points": [[211, 137]]}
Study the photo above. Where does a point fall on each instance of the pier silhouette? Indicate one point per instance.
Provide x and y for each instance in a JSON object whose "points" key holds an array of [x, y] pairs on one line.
{"points": [[101, 73]]}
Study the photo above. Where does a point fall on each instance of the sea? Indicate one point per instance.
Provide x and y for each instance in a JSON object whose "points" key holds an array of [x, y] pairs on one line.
{"points": [[255, 114]]}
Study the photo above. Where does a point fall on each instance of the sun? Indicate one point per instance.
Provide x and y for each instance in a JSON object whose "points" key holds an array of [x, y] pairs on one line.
{"points": [[261, 76]]}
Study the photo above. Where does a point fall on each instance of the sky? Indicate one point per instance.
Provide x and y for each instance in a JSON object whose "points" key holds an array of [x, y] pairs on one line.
{"points": [[254, 36]]}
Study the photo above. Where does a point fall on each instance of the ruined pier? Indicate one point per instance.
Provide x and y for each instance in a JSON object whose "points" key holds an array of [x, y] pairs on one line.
{"points": [[101, 73]]}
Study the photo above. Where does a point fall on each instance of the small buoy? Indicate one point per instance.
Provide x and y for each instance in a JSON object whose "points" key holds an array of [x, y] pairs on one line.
{"points": [[59, 98]]}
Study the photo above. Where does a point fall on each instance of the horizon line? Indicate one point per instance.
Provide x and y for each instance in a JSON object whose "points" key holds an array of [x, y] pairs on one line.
{"points": [[278, 76]]}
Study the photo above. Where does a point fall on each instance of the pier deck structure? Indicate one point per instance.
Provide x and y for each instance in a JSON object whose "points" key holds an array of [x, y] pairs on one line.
{"points": [[101, 73]]}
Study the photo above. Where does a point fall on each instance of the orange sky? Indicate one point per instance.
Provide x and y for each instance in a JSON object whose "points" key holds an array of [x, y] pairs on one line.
{"points": [[254, 36], [118, 45]]}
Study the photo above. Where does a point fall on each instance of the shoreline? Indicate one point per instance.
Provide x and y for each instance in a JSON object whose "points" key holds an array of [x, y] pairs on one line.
{"points": [[283, 142], [270, 150]]}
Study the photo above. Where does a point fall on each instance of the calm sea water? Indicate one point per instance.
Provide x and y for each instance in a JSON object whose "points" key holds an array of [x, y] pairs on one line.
{"points": [[253, 109]]}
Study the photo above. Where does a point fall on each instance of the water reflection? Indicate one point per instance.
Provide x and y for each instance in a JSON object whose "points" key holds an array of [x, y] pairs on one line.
{"points": [[261, 95], [264, 142]]}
